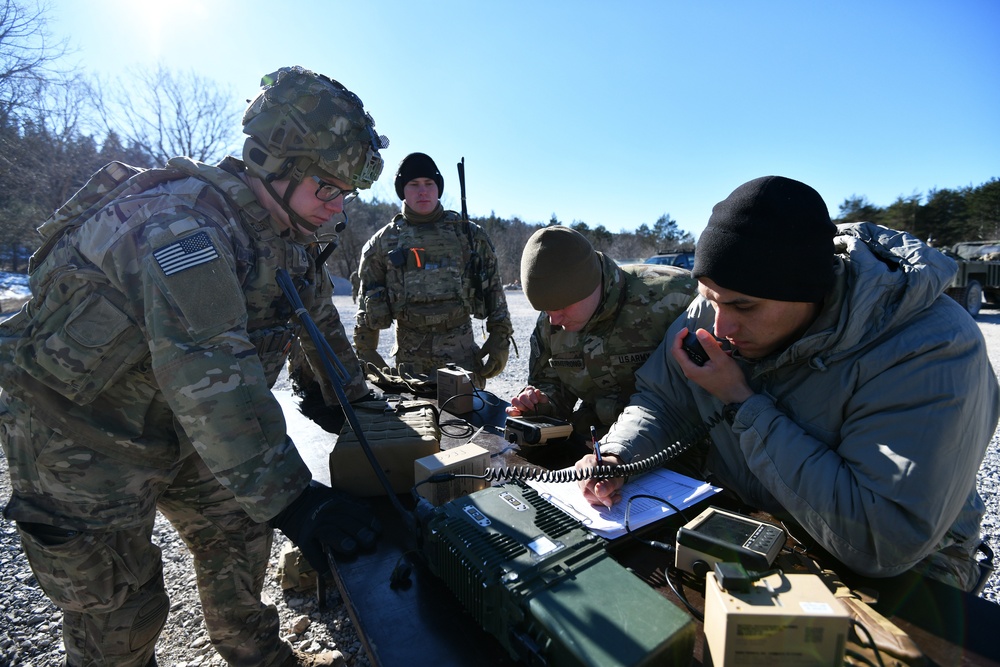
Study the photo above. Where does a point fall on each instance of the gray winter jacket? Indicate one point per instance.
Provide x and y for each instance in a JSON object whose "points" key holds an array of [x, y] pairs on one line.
{"points": [[869, 430]]}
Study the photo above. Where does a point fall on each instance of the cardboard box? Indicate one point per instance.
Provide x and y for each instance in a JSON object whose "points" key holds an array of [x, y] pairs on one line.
{"points": [[469, 459], [454, 390], [785, 620]]}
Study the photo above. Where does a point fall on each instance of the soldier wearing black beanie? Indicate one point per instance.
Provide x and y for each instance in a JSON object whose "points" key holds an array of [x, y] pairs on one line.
{"points": [[417, 165], [843, 340], [771, 238]]}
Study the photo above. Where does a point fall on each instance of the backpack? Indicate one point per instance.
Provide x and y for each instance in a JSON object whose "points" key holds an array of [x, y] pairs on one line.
{"points": [[106, 184]]}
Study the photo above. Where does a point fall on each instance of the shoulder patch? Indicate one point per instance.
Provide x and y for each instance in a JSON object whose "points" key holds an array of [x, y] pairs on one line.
{"points": [[185, 254]]}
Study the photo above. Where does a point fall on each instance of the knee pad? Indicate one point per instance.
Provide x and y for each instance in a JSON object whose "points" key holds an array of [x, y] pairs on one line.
{"points": [[131, 631], [125, 636], [148, 614]]}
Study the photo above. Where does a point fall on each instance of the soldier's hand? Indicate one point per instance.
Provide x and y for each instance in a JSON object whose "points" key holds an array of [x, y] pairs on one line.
{"points": [[600, 491], [526, 402], [496, 349], [323, 517], [720, 376]]}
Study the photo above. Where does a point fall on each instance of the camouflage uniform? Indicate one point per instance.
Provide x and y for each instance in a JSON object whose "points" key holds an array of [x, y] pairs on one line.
{"points": [[355, 285], [597, 364], [422, 276], [138, 379]]}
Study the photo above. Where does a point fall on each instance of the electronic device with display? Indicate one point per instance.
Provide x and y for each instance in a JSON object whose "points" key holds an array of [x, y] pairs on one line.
{"points": [[718, 536], [535, 430]]}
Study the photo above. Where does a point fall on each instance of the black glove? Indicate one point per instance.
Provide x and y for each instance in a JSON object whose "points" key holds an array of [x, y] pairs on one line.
{"points": [[322, 517]]}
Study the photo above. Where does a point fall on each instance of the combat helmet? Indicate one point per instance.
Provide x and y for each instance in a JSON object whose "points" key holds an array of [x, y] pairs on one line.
{"points": [[305, 124]]}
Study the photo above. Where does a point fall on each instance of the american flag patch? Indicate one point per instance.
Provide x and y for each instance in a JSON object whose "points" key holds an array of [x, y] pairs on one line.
{"points": [[185, 254]]}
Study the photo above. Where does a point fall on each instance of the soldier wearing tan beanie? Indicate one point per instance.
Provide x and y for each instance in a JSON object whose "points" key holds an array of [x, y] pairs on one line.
{"points": [[558, 267], [599, 323]]}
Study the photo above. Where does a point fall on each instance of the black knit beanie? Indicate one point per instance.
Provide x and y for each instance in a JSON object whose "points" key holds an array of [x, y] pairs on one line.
{"points": [[772, 238], [417, 165], [558, 268]]}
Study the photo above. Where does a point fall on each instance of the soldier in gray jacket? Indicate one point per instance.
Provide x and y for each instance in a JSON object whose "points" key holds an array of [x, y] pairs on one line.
{"points": [[856, 397], [138, 378], [599, 323]]}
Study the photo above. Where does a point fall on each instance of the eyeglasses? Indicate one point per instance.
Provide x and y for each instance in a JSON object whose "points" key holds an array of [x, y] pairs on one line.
{"points": [[329, 191]]}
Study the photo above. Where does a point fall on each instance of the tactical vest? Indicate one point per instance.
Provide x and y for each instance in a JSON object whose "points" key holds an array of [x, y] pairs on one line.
{"points": [[74, 305], [431, 278]]}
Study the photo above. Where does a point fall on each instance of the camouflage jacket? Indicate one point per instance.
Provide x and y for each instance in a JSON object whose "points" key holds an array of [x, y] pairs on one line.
{"points": [[156, 325], [431, 277], [597, 364]]}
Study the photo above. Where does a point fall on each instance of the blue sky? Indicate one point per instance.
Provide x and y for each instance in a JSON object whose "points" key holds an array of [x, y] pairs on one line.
{"points": [[612, 113]]}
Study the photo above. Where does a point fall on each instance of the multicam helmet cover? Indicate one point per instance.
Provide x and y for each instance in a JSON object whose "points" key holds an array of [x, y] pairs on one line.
{"points": [[303, 124]]}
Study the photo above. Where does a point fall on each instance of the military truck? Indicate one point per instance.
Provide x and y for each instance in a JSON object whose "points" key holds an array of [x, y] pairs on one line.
{"points": [[978, 274]]}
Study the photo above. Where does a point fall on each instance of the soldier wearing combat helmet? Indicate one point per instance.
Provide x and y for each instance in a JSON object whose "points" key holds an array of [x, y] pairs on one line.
{"points": [[431, 271], [138, 378]]}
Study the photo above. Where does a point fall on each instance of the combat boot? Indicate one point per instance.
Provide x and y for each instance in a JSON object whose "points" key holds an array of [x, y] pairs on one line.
{"points": [[324, 659]]}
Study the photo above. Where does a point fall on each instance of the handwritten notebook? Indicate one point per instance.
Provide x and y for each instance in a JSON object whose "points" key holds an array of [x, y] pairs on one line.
{"points": [[679, 490]]}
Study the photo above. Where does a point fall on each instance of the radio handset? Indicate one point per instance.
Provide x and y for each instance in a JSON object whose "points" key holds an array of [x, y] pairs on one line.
{"points": [[695, 351]]}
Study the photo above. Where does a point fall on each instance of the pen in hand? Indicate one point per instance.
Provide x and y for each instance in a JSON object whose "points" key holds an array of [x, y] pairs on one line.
{"points": [[600, 463], [597, 445]]}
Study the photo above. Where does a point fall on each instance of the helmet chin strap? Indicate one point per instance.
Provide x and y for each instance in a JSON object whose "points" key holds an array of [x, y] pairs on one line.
{"points": [[285, 202]]}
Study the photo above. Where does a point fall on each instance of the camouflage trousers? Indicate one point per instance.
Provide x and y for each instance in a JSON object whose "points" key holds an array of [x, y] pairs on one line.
{"points": [[86, 522], [420, 351]]}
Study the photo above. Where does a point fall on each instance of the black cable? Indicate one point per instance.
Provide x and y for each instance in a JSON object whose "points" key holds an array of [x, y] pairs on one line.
{"points": [[680, 596], [461, 428], [871, 641], [528, 473], [338, 375], [532, 474], [628, 507]]}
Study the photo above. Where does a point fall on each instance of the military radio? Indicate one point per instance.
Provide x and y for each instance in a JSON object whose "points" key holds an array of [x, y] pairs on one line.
{"points": [[541, 583]]}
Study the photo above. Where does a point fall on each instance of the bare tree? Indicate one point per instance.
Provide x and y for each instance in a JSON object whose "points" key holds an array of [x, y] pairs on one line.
{"points": [[27, 53], [508, 240], [28, 79], [177, 114]]}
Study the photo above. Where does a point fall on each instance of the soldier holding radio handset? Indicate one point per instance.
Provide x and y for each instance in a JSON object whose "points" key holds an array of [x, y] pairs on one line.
{"points": [[843, 344]]}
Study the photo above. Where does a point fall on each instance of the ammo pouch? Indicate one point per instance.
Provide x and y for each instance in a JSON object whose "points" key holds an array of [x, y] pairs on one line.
{"points": [[398, 433], [273, 345], [80, 339], [375, 304]]}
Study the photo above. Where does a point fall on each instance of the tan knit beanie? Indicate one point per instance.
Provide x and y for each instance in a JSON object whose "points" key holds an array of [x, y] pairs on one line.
{"points": [[558, 268]]}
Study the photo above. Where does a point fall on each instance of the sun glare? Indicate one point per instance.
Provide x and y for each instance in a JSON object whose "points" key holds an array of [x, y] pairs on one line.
{"points": [[159, 28]]}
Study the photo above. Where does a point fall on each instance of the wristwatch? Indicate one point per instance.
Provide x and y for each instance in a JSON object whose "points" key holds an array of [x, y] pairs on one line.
{"points": [[729, 411]]}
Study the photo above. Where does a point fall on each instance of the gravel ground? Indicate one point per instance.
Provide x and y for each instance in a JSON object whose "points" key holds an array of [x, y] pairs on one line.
{"points": [[30, 625]]}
